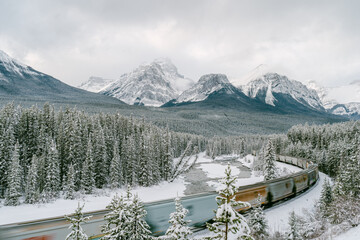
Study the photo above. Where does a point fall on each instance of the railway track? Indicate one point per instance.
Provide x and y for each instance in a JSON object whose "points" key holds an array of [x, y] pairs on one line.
{"points": [[200, 207]]}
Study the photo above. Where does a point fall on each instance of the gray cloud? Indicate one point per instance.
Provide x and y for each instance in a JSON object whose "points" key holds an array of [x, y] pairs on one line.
{"points": [[72, 40]]}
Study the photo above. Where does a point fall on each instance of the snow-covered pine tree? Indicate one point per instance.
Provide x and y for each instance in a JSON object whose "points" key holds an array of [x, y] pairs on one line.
{"points": [[76, 219], [144, 163], [69, 188], [294, 233], [117, 220], [115, 168], [270, 170], [6, 148], [14, 180], [87, 174], [178, 229], [32, 184], [257, 221], [52, 183], [227, 220], [137, 229], [99, 156], [166, 158], [326, 199]]}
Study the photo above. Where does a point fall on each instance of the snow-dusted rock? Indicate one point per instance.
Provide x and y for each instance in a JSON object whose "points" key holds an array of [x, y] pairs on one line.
{"points": [[206, 85], [96, 84], [150, 84], [15, 67], [264, 87]]}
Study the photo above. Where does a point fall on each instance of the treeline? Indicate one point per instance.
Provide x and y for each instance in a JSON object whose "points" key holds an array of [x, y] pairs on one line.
{"points": [[245, 144], [44, 152], [336, 150], [330, 146]]}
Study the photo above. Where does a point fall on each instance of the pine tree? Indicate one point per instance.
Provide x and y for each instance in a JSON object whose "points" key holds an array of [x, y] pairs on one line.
{"points": [[257, 221], [76, 219], [326, 199], [137, 229], [117, 220], [70, 183], [87, 174], [178, 229], [294, 233], [270, 170], [32, 184], [99, 157], [227, 220], [6, 150], [52, 183], [115, 168], [14, 180]]}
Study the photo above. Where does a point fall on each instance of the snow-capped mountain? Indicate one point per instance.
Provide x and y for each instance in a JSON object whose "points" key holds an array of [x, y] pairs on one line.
{"points": [[206, 85], [151, 84], [19, 81], [277, 90], [323, 94], [214, 91], [348, 100], [96, 84]]}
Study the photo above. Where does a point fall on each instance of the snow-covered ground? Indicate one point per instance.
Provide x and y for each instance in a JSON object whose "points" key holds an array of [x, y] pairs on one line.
{"points": [[214, 169], [25, 212], [278, 216], [352, 234]]}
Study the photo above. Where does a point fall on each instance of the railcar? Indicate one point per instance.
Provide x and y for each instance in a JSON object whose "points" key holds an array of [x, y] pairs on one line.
{"points": [[201, 207]]}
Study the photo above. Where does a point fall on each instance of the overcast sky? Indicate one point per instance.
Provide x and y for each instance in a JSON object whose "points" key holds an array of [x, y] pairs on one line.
{"points": [[72, 40]]}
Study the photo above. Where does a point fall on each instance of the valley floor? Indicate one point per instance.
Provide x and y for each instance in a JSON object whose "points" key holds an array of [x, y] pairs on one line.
{"points": [[202, 177]]}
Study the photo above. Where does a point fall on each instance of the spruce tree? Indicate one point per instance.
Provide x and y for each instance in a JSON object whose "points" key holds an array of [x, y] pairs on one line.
{"points": [[115, 168], [76, 219], [137, 229], [69, 188], [14, 180], [52, 183], [99, 157], [32, 183], [326, 199], [117, 220], [270, 170], [6, 149], [178, 229], [294, 233], [87, 174], [227, 220], [257, 221]]}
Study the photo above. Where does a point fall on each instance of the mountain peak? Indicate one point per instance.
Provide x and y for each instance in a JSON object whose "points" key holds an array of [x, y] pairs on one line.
{"points": [[272, 86], [206, 85], [151, 84]]}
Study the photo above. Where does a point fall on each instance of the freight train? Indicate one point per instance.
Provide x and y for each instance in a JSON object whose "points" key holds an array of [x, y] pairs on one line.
{"points": [[201, 207]]}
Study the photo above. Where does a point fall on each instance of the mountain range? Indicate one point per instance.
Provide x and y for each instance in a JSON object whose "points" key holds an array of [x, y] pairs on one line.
{"points": [[159, 84]]}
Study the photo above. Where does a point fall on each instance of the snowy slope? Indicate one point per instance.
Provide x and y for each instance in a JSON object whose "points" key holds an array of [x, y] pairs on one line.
{"points": [[96, 84], [268, 85], [15, 67], [343, 100], [19, 81], [323, 94], [150, 84], [206, 85]]}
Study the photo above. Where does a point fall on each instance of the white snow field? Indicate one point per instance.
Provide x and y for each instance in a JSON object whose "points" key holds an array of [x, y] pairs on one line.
{"points": [[278, 216], [352, 234], [102, 197]]}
